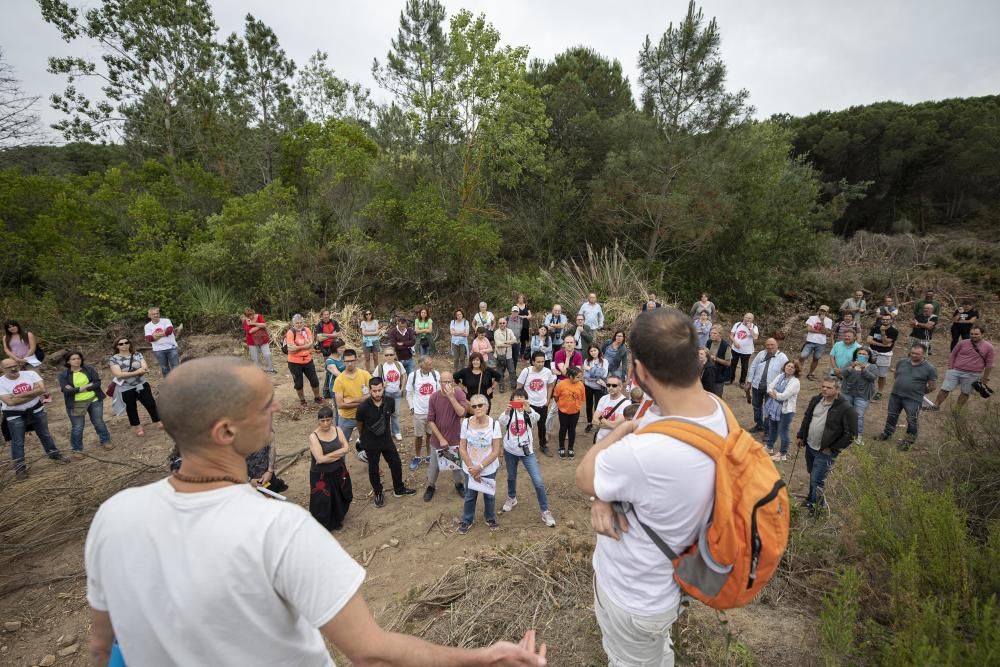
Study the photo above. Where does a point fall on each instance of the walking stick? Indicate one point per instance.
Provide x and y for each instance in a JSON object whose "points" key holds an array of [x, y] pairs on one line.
{"points": [[795, 460]]}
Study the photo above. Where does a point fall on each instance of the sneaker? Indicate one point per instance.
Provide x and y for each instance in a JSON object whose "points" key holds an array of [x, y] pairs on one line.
{"points": [[428, 494], [549, 520], [756, 429], [317, 399], [398, 437], [545, 450], [460, 490], [509, 504], [303, 403], [784, 457], [493, 525], [405, 491], [877, 396], [562, 453], [271, 371], [770, 451], [363, 455], [571, 454], [414, 463], [107, 446], [76, 456], [463, 528], [379, 499], [21, 474], [590, 427], [881, 437], [775, 457], [427, 460], [59, 458], [858, 440]]}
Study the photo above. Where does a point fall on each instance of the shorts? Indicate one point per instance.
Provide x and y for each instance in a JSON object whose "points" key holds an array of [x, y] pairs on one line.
{"points": [[298, 370], [420, 427], [816, 350], [371, 342], [955, 378]]}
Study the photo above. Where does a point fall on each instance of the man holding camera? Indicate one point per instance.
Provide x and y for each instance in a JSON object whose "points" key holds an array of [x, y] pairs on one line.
{"points": [[969, 367]]}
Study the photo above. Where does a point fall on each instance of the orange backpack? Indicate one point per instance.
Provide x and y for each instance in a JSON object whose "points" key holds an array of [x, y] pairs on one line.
{"points": [[739, 549]]}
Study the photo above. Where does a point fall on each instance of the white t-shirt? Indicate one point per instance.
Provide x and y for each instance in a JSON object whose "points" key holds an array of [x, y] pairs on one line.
{"points": [[536, 385], [25, 381], [671, 486], [421, 387], [519, 435], [392, 377], [818, 329], [743, 337], [606, 410], [480, 442], [223, 577], [165, 343], [484, 320]]}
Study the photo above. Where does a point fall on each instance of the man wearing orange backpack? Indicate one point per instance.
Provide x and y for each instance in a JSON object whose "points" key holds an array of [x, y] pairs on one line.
{"points": [[684, 501]]}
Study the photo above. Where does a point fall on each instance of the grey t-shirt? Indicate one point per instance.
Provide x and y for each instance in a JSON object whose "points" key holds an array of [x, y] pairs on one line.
{"points": [[818, 425], [911, 381]]}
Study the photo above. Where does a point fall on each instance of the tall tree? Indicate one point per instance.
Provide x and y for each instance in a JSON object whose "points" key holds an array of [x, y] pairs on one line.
{"points": [[18, 120], [322, 94], [257, 87], [159, 72]]}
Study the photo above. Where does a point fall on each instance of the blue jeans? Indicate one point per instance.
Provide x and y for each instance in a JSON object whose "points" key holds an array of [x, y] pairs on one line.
{"points": [[534, 472], [896, 405], [407, 365], [489, 502], [757, 397], [96, 412], [818, 466], [347, 426], [17, 429], [168, 360], [861, 407], [780, 427], [394, 419]]}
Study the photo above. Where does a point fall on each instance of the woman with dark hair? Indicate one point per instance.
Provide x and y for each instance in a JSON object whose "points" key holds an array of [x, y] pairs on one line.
{"points": [[20, 345], [615, 352], [335, 365], [459, 330], [423, 326], [595, 376], [523, 313], [542, 342], [371, 339], [81, 387], [330, 490], [129, 369], [478, 378], [779, 408]]}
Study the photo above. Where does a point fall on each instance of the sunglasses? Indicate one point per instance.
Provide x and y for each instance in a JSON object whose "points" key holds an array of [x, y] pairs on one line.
{"points": [[612, 386], [123, 342], [477, 405]]}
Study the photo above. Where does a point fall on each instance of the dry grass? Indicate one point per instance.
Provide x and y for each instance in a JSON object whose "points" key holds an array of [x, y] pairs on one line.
{"points": [[498, 595], [348, 316]]}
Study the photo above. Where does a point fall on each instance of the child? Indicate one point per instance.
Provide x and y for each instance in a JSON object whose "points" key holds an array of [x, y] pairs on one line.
{"points": [[570, 397], [482, 345], [518, 421]]}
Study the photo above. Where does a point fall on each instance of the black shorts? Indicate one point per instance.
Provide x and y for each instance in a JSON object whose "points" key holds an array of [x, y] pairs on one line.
{"points": [[297, 370]]}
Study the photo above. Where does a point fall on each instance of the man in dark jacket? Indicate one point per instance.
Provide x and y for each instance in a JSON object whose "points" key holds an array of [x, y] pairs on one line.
{"points": [[829, 426], [403, 338]]}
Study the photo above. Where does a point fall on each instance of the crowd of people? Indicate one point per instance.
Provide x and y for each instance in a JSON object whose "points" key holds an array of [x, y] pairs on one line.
{"points": [[507, 389]]}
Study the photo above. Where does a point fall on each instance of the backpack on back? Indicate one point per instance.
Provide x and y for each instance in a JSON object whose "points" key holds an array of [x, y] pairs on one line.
{"points": [[738, 551]]}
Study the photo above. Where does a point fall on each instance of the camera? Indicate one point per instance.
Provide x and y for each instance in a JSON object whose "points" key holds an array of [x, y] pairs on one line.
{"points": [[983, 388]]}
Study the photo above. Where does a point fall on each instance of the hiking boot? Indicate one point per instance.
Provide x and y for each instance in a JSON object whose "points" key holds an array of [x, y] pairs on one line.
{"points": [[428, 494], [509, 504], [549, 520], [492, 523], [405, 491], [379, 499], [414, 463], [76, 456], [59, 458], [107, 446], [460, 490], [545, 450], [882, 437], [21, 474], [463, 528]]}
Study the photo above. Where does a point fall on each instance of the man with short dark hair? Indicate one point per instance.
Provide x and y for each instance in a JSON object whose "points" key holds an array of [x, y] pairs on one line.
{"points": [[923, 328], [374, 424], [325, 332], [350, 389], [918, 307], [403, 338], [669, 484], [828, 427], [201, 569], [538, 382], [882, 339], [915, 377], [445, 410], [970, 361]]}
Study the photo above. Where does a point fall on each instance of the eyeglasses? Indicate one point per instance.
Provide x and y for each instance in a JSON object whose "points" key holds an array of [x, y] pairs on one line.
{"points": [[120, 343], [612, 386], [389, 355], [477, 405]]}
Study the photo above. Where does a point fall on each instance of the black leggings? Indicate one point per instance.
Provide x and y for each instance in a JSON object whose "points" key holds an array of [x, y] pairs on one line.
{"points": [[744, 362], [143, 395], [543, 416], [959, 333], [297, 370], [567, 424], [593, 396]]}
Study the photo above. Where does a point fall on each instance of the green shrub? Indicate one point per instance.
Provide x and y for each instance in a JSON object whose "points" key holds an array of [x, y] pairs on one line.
{"points": [[839, 618]]}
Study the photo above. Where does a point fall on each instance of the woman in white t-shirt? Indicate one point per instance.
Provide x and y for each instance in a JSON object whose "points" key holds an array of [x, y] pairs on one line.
{"points": [[479, 448], [459, 329], [519, 419], [742, 336]]}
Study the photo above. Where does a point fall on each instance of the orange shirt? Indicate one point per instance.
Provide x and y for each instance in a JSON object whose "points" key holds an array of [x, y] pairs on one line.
{"points": [[569, 396], [300, 337]]}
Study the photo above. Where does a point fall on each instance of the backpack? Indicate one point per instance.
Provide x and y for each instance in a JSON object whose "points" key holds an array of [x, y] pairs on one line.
{"points": [[284, 340], [740, 548]]}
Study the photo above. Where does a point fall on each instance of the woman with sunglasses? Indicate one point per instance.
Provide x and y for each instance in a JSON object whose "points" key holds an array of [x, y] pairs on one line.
{"points": [[129, 369], [81, 387], [371, 339], [480, 449], [330, 489]]}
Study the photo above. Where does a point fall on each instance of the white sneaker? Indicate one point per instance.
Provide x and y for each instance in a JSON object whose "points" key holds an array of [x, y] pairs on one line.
{"points": [[858, 440], [363, 455], [510, 504], [776, 457], [398, 437], [549, 520]]}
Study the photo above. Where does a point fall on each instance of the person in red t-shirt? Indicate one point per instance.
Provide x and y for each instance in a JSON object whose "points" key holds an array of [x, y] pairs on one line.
{"points": [[325, 332], [258, 340]]}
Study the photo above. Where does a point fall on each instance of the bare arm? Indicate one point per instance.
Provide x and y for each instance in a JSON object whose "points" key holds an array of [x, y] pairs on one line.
{"points": [[101, 637], [24, 397], [354, 631]]}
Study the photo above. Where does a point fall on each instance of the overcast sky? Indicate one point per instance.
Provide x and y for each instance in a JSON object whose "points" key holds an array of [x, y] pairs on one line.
{"points": [[794, 57]]}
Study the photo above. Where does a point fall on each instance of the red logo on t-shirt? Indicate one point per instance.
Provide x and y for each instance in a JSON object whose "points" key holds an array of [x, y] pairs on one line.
{"points": [[741, 334], [518, 427], [537, 384], [607, 413], [393, 376], [21, 388], [426, 389]]}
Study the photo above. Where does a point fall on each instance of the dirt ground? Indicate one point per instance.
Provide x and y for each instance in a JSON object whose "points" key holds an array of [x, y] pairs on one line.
{"points": [[52, 609]]}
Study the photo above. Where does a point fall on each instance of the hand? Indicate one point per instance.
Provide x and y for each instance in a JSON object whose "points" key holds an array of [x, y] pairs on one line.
{"points": [[606, 521], [266, 477], [826, 450], [70, 387], [522, 654], [799, 443]]}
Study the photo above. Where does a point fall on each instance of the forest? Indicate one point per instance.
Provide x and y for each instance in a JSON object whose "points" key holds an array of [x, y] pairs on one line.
{"points": [[214, 172]]}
